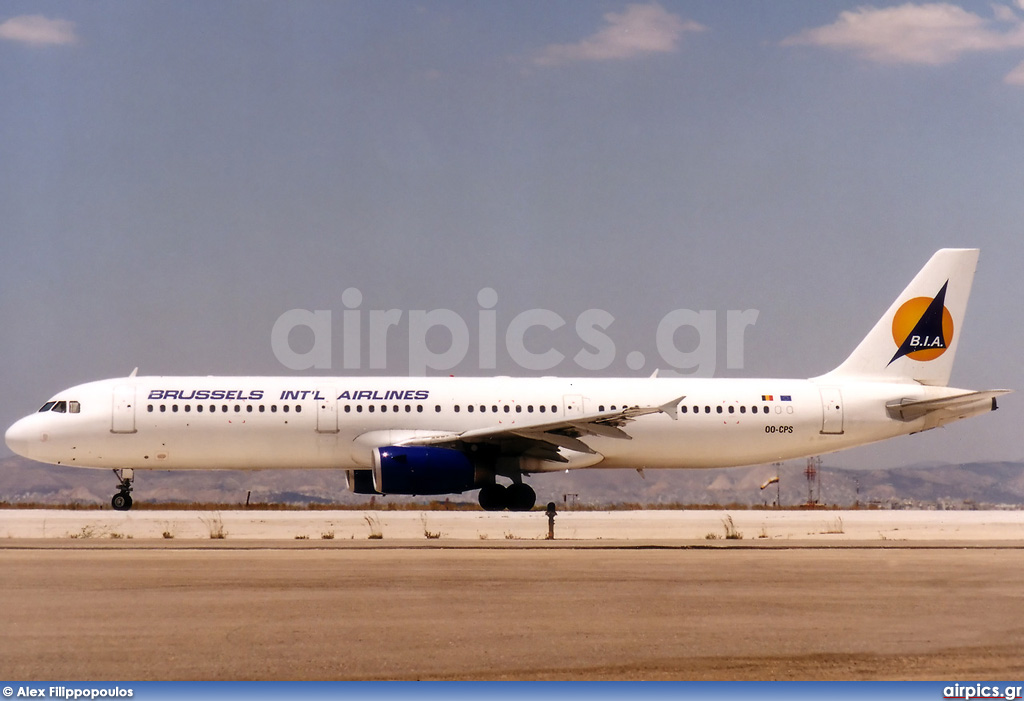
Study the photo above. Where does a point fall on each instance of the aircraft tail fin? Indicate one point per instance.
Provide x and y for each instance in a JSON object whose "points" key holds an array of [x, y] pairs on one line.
{"points": [[917, 338]]}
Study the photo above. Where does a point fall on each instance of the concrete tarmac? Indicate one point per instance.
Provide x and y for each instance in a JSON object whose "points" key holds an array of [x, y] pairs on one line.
{"points": [[825, 526], [133, 610]]}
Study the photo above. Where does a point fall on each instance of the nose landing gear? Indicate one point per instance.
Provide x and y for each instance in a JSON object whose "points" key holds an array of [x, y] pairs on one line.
{"points": [[122, 501]]}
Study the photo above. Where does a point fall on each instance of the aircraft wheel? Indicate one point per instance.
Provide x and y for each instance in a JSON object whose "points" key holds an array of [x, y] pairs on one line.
{"points": [[121, 501], [493, 497], [521, 497]]}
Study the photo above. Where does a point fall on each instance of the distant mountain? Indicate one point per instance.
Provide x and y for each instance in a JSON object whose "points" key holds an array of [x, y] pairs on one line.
{"points": [[23, 481]]}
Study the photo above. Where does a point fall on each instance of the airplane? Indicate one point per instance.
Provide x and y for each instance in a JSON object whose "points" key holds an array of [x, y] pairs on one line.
{"points": [[446, 435]]}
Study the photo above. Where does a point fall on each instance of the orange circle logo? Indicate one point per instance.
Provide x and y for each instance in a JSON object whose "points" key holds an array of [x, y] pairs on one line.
{"points": [[910, 330]]}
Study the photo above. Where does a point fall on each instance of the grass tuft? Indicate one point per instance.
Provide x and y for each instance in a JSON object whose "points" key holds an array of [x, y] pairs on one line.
{"points": [[730, 529]]}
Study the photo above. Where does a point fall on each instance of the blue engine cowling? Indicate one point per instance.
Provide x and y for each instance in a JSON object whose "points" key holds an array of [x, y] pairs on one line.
{"points": [[420, 470]]}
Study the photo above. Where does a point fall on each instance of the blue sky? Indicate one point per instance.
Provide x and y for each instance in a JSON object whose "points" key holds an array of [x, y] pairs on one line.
{"points": [[175, 176]]}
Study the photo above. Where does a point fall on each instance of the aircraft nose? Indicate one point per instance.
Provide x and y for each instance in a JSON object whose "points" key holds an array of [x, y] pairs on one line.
{"points": [[21, 436]]}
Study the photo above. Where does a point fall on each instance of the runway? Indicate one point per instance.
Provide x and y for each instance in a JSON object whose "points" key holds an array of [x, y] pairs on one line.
{"points": [[90, 609]]}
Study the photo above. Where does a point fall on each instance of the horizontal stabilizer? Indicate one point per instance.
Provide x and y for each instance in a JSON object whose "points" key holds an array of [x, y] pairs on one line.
{"points": [[946, 408]]}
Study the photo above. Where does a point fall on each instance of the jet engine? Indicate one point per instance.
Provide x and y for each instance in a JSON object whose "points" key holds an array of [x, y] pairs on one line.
{"points": [[415, 470]]}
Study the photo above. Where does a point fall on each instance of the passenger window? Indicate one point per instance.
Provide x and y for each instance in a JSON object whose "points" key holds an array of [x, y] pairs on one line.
{"points": [[719, 408], [163, 408], [174, 408], [743, 410], [470, 408], [683, 409], [543, 408], [383, 408], [359, 408], [273, 408], [507, 409], [732, 409], [437, 408], [419, 408], [248, 408], [298, 408], [456, 408], [519, 409], [150, 408], [199, 408], [188, 408], [371, 408]]}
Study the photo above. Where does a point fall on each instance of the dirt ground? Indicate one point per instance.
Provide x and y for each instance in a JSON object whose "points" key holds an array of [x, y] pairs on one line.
{"points": [[126, 612]]}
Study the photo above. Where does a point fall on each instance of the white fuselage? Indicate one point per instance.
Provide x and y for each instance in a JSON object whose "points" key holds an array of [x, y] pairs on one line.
{"points": [[175, 423]]}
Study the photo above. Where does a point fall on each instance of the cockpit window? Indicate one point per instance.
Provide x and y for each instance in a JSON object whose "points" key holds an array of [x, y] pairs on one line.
{"points": [[61, 407]]}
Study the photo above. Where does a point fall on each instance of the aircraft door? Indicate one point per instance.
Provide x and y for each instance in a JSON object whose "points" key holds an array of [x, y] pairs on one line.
{"points": [[327, 410], [831, 410], [123, 412], [573, 404]]}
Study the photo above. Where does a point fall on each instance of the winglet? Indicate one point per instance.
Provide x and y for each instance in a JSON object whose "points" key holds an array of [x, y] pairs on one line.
{"points": [[134, 372], [672, 408]]}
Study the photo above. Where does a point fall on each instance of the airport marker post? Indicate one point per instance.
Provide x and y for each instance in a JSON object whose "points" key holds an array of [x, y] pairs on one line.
{"points": [[551, 513]]}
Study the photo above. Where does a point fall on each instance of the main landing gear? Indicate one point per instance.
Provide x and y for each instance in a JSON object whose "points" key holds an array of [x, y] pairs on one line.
{"points": [[515, 497], [122, 501]]}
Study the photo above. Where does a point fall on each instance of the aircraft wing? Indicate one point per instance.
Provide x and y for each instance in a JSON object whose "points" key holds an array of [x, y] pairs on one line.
{"points": [[542, 440]]}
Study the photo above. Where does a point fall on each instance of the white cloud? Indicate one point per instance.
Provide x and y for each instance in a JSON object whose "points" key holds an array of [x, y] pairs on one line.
{"points": [[1004, 13], [927, 34], [1016, 76], [38, 30], [638, 30]]}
